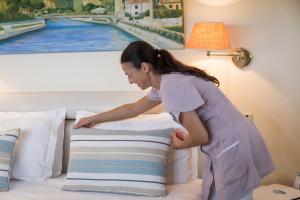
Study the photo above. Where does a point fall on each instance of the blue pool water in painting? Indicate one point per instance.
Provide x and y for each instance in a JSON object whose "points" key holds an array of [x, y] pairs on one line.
{"points": [[65, 35]]}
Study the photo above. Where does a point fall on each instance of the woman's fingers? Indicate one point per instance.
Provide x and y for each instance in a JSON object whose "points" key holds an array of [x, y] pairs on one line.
{"points": [[84, 122], [179, 138], [180, 134], [90, 125], [176, 142], [77, 125]]}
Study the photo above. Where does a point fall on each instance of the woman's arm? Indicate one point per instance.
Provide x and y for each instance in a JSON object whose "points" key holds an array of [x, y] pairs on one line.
{"points": [[122, 112], [198, 135]]}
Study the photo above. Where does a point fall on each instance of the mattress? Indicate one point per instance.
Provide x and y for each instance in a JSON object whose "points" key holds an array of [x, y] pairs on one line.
{"points": [[51, 190]]}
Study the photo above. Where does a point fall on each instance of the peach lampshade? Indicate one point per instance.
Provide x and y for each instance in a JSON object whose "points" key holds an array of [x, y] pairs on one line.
{"points": [[209, 36]]}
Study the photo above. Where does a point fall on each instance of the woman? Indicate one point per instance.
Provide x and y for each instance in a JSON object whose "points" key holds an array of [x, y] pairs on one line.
{"points": [[236, 158]]}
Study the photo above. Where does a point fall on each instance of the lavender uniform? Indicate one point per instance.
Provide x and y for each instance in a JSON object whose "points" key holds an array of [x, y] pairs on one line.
{"points": [[236, 159]]}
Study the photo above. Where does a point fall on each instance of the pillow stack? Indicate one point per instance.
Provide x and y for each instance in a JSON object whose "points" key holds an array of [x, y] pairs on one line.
{"points": [[118, 161], [41, 135], [7, 147]]}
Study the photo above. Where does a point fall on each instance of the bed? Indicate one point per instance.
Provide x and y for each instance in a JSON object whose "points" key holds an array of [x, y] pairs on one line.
{"points": [[51, 189], [72, 102]]}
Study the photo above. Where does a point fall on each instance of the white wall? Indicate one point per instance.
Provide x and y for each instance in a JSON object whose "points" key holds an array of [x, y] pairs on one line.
{"points": [[92, 71], [269, 88]]}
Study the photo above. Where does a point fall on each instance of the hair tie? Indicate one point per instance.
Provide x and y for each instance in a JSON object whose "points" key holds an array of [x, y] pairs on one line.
{"points": [[157, 53]]}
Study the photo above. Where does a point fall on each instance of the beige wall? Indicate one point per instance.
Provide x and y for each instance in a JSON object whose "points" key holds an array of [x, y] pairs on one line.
{"points": [[269, 88]]}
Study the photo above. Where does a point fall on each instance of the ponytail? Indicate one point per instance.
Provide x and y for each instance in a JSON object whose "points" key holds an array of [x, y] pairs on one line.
{"points": [[162, 61]]}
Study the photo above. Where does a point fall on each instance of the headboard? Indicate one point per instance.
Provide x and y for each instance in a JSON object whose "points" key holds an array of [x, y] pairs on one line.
{"points": [[97, 101], [72, 101]]}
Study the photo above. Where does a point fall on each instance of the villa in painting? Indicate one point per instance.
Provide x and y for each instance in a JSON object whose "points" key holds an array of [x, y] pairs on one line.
{"points": [[44, 26]]}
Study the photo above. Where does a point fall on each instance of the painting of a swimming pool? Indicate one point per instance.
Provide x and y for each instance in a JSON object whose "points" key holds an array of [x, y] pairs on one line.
{"points": [[53, 26]]}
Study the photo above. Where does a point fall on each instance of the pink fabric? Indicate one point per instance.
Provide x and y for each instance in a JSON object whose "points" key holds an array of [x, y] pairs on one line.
{"points": [[237, 157]]}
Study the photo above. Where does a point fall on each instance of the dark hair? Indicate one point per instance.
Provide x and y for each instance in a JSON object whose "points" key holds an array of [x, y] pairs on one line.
{"points": [[162, 61]]}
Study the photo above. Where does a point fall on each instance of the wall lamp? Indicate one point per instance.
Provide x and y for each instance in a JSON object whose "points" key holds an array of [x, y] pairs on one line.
{"points": [[213, 36]]}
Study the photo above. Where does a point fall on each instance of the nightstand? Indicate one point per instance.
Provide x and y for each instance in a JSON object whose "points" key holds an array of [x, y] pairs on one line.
{"points": [[276, 192]]}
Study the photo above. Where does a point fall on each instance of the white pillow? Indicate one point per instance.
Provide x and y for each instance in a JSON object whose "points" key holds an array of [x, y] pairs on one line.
{"points": [[39, 150], [182, 164]]}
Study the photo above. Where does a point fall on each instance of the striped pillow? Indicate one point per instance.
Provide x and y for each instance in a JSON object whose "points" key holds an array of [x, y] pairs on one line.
{"points": [[118, 161], [7, 147]]}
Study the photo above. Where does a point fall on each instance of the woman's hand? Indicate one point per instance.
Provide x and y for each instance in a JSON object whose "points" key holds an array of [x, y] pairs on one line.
{"points": [[87, 122], [178, 138]]}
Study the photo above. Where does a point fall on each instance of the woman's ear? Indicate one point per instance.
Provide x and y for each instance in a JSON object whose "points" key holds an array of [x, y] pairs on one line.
{"points": [[146, 67]]}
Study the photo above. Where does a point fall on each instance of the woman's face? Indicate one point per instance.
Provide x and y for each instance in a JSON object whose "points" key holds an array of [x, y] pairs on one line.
{"points": [[140, 77]]}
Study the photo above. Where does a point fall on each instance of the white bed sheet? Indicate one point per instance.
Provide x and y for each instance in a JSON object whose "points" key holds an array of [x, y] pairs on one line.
{"points": [[51, 190]]}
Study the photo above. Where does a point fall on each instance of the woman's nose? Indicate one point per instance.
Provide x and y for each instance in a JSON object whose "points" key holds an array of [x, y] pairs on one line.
{"points": [[130, 80]]}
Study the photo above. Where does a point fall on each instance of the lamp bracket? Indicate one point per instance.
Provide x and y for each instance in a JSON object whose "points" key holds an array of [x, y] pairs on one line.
{"points": [[241, 57]]}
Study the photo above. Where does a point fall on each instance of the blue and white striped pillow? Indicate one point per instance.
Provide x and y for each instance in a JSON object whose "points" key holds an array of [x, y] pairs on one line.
{"points": [[7, 147], [118, 161]]}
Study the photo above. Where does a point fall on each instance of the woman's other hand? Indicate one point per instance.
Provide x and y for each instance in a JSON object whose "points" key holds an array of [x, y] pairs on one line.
{"points": [[178, 138]]}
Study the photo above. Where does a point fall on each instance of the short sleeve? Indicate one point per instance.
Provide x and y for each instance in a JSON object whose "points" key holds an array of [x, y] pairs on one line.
{"points": [[181, 96], [154, 94]]}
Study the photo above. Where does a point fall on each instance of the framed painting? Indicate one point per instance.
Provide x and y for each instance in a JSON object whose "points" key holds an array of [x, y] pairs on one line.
{"points": [[48, 26]]}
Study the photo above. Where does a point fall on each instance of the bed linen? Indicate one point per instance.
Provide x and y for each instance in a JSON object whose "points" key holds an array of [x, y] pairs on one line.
{"points": [[51, 189]]}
